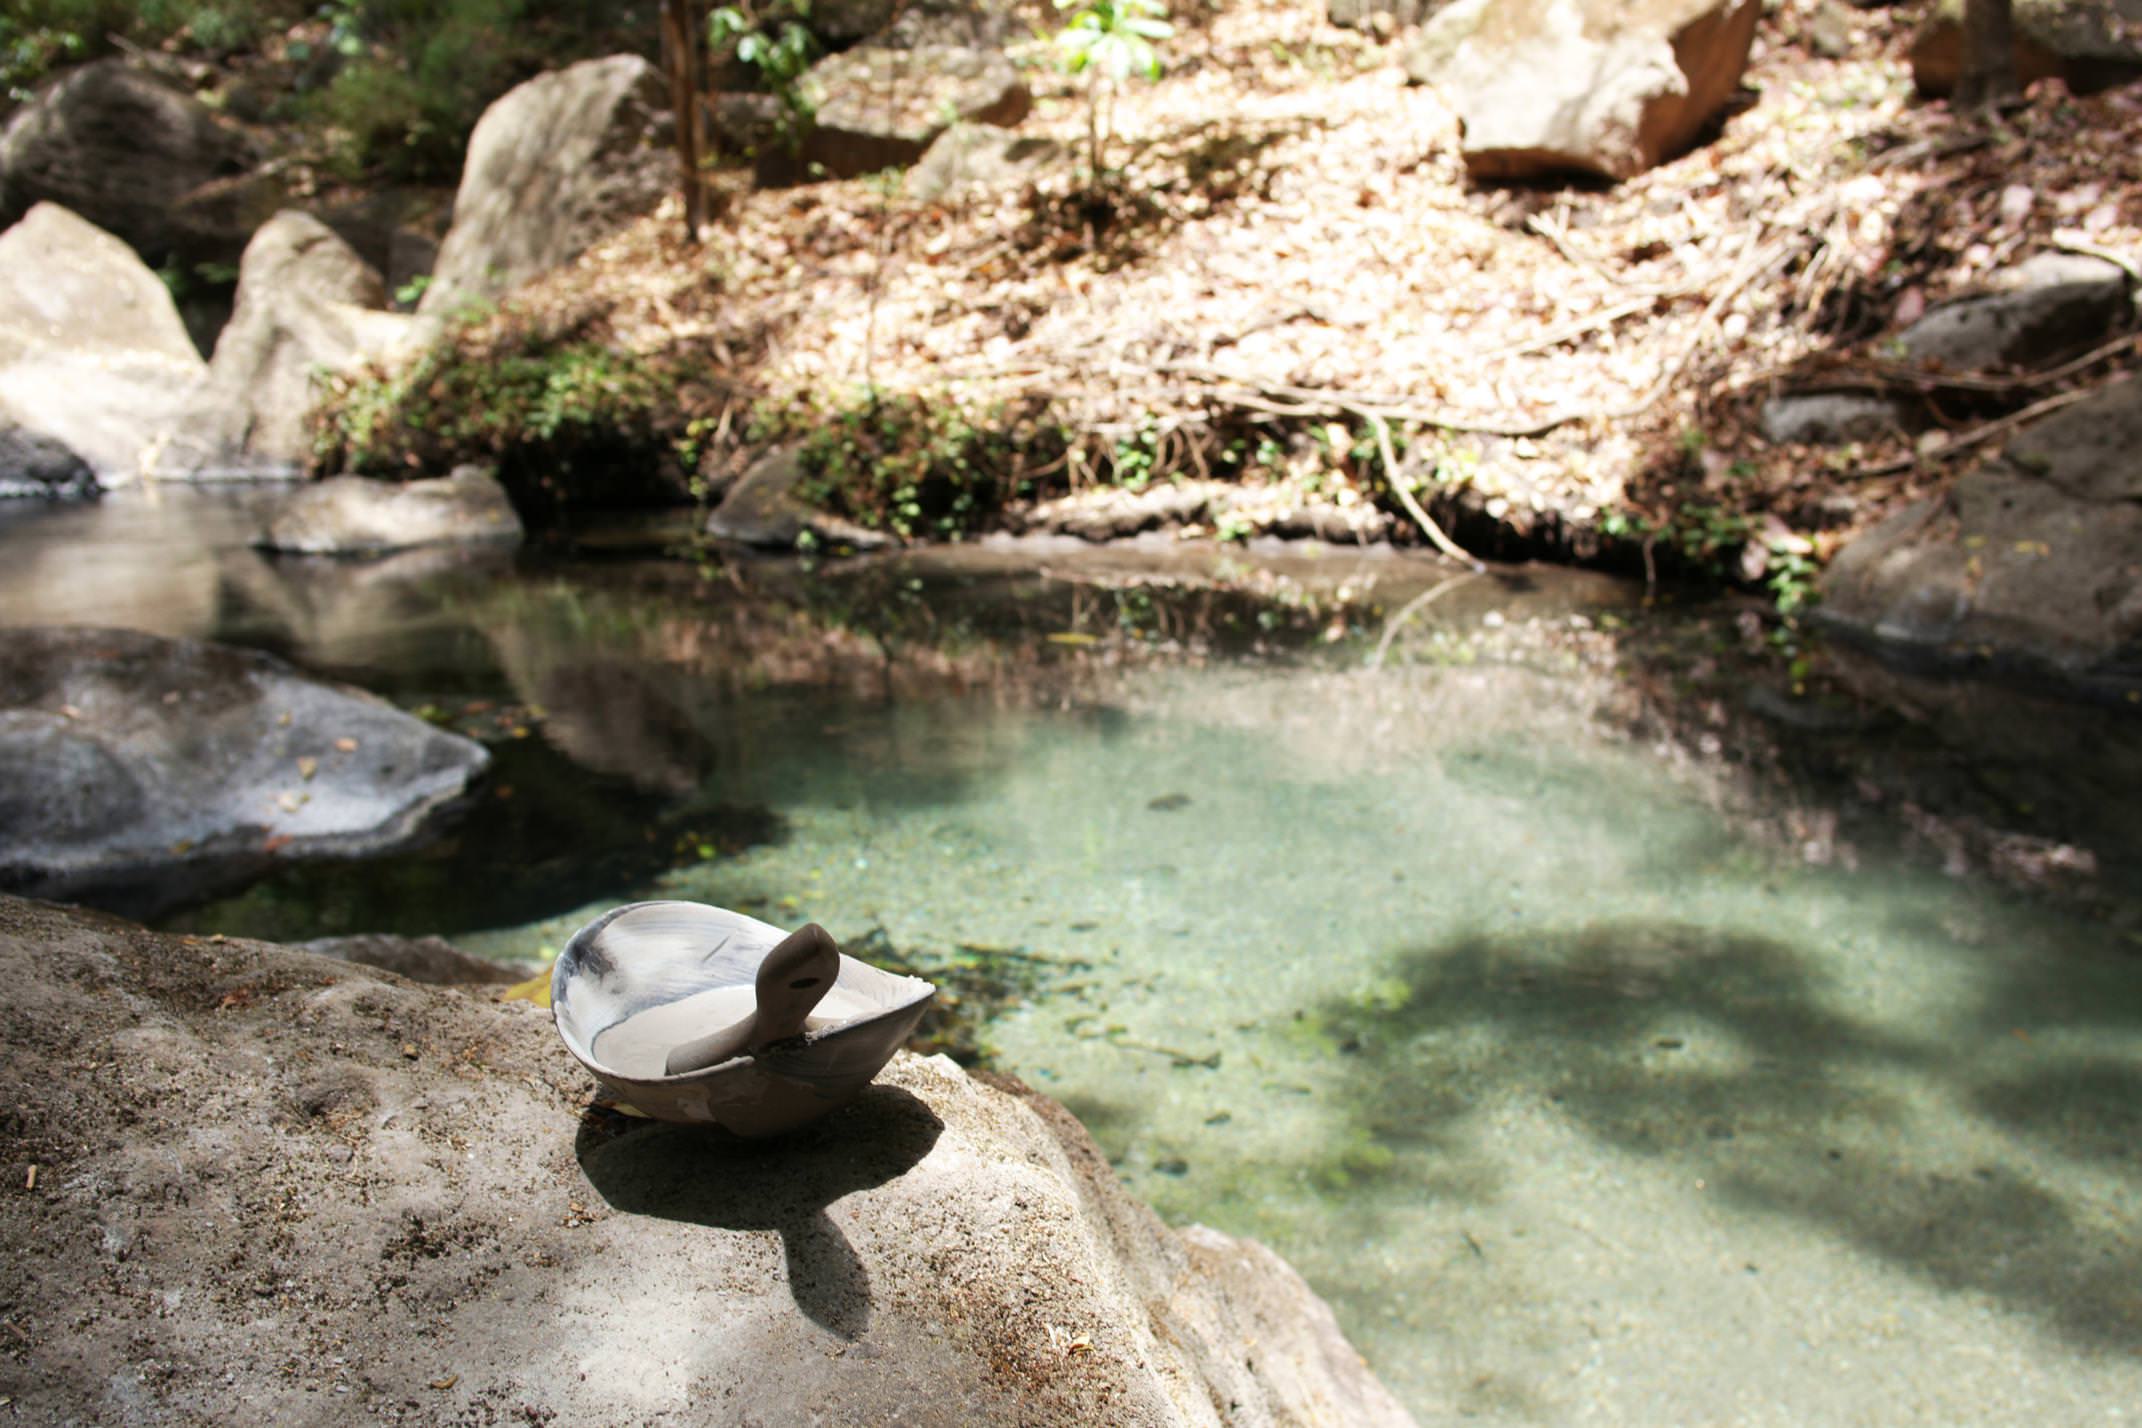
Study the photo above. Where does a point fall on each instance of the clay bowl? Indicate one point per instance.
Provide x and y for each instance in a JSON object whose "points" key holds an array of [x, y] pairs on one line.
{"points": [[644, 980]]}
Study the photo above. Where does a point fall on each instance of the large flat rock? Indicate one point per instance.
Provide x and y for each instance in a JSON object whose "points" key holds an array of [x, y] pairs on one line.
{"points": [[273, 1188], [137, 768], [2033, 562]]}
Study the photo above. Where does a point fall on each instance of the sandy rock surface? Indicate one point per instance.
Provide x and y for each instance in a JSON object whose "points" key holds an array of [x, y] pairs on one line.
{"points": [[269, 1187]]}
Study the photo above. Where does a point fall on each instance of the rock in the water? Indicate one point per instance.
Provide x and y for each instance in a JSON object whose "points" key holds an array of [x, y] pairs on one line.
{"points": [[2049, 307], [1547, 88], [882, 108], [431, 960], [968, 157], [349, 515], [1112, 512], [307, 304], [42, 468], [1829, 418], [552, 166], [139, 158], [140, 768], [92, 351], [2033, 561], [762, 509], [270, 1143], [2088, 44]]}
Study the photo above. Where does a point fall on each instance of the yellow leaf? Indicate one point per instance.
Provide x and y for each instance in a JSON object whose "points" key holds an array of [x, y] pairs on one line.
{"points": [[536, 989], [1073, 637]]}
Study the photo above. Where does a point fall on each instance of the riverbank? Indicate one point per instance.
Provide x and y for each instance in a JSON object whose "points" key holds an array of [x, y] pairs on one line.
{"points": [[1304, 316]]}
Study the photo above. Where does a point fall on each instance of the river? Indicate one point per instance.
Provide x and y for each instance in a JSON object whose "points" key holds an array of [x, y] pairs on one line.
{"points": [[1611, 1033]]}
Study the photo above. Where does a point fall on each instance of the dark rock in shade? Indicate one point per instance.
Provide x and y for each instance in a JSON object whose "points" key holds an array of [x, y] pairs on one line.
{"points": [[945, 1251], [2087, 44], [881, 108], [92, 353], [763, 509], [1829, 418], [431, 960], [350, 515], [552, 166], [135, 769], [42, 468], [843, 22], [2033, 563], [2048, 307], [1547, 88], [138, 158], [307, 305]]}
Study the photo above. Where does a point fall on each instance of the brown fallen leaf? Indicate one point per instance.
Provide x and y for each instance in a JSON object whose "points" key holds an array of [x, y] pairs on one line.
{"points": [[409, 1050], [346, 745], [307, 766], [445, 1383]]}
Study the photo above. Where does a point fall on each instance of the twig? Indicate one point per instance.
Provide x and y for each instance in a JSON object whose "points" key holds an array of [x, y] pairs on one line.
{"points": [[1556, 336], [1413, 607], [1979, 435], [1413, 507]]}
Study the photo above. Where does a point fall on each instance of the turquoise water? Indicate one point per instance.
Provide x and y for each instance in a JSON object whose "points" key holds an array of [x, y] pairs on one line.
{"points": [[1604, 1049], [1579, 1100]]}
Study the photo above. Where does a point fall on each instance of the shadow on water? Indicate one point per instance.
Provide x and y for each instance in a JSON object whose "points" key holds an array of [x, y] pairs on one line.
{"points": [[703, 1176], [1953, 1147]]}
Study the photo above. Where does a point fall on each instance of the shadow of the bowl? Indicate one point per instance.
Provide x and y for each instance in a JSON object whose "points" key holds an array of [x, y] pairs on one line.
{"points": [[706, 1176]]}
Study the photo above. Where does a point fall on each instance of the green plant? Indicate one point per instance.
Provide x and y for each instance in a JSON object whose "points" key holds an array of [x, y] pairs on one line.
{"points": [[1110, 40], [917, 464], [773, 40]]}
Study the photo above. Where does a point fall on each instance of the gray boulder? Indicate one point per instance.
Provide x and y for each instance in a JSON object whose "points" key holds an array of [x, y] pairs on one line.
{"points": [[553, 165], [2051, 306], [2030, 563], [350, 515], [307, 305], [2087, 44], [1829, 418], [1547, 88], [142, 768], [139, 158], [881, 108], [92, 352], [433, 961], [968, 158], [237, 1143], [42, 468], [764, 509]]}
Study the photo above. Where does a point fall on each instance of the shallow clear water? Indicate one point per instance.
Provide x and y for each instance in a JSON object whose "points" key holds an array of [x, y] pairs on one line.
{"points": [[1593, 1073]]}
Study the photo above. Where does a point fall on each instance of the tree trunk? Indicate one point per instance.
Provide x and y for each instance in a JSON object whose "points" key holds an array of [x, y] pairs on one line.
{"points": [[683, 45], [1989, 70]]}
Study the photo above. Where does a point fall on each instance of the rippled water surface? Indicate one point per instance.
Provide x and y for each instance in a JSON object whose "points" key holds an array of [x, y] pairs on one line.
{"points": [[1610, 1035]]}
